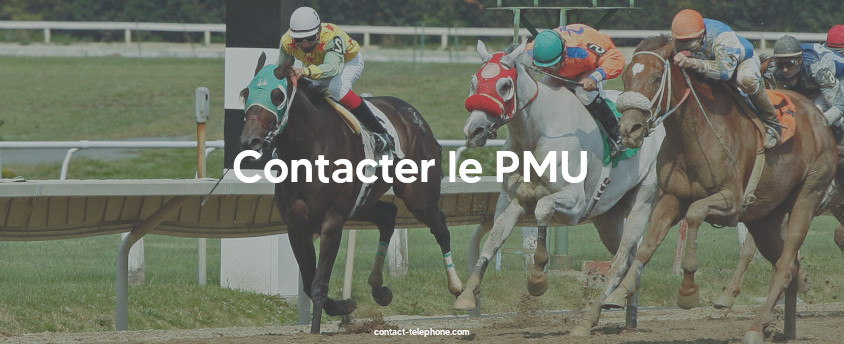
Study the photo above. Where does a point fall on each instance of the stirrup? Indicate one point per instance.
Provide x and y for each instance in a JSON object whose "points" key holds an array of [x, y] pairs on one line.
{"points": [[383, 142], [772, 137], [616, 148]]}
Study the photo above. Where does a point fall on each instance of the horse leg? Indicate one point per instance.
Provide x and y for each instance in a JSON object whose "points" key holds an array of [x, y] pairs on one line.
{"points": [[771, 247], [329, 245], [383, 215], [721, 204], [501, 229], [631, 231], [839, 238], [665, 213], [475, 242], [746, 253], [569, 204], [432, 216]]}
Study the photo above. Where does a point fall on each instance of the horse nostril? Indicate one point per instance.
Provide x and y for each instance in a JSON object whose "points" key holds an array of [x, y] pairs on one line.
{"points": [[476, 132]]}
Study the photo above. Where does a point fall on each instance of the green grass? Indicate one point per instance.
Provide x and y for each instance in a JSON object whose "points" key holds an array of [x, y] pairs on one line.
{"points": [[68, 285]]}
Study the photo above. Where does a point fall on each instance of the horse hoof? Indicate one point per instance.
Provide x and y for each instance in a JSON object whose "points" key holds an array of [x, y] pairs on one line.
{"points": [[581, 331], [537, 283], [616, 299], [723, 302], [688, 301], [343, 307], [382, 296], [753, 337], [456, 290], [465, 302]]}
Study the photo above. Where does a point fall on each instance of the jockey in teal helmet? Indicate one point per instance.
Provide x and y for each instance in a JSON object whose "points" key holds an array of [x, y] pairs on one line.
{"points": [[579, 52]]}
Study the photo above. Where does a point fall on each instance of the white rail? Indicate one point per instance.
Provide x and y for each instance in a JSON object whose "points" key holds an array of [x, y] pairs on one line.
{"points": [[366, 30], [74, 146]]}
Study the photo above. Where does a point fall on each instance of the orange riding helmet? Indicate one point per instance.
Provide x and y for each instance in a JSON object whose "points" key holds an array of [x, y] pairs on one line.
{"points": [[687, 24]]}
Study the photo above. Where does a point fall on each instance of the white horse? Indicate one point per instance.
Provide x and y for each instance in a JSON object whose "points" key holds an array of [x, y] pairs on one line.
{"points": [[547, 119]]}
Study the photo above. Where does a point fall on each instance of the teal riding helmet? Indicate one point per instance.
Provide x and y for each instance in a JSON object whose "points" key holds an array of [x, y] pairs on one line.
{"points": [[547, 48]]}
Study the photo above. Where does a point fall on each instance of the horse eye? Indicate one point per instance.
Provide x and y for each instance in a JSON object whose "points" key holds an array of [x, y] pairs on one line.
{"points": [[505, 88], [473, 83]]}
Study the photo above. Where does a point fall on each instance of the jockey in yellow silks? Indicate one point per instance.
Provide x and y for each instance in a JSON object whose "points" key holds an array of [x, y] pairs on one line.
{"points": [[330, 57]]}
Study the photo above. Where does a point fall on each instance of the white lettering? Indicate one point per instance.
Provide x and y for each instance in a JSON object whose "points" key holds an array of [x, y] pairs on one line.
{"points": [[238, 159], [531, 163], [501, 169], [345, 168], [470, 166], [406, 166], [565, 170]]}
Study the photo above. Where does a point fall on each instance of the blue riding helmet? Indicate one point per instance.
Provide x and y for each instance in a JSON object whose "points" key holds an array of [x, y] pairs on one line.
{"points": [[260, 90], [547, 48]]}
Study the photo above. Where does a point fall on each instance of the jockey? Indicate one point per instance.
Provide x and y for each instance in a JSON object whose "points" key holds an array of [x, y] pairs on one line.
{"points": [[835, 39], [590, 57], [718, 53], [810, 67], [330, 57]]}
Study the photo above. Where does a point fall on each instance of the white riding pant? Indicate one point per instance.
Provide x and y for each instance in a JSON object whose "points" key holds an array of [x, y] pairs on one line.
{"points": [[340, 84], [748, 76]]}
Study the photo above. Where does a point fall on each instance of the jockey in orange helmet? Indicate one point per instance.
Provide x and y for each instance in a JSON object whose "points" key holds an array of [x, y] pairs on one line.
{"points": [[718, 53], [579, 52], [330, 58]]}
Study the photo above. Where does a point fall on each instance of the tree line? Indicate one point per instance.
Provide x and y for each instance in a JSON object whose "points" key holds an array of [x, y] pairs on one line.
{"points": [[747, 15]]}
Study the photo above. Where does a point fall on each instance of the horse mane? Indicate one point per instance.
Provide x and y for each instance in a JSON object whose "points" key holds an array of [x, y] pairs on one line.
{"points": [[314, 93], [653, 43]]}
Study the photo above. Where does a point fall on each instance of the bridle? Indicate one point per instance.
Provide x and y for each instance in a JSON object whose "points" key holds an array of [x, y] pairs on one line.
{"points": [[637, 99], [663, 95], [280, 120]]}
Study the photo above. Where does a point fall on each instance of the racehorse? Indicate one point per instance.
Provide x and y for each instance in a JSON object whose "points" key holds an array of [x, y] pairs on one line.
{"points": [[705, 170], [834, 206], [297, 121], [547, 120]]}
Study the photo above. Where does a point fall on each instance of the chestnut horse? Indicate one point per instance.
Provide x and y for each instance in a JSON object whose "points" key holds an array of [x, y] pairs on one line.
{"points": [[705, 167], [835, 206], [305, 126]]}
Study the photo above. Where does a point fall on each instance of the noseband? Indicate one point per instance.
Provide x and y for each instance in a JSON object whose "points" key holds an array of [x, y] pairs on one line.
{"points": [[636, 100]]}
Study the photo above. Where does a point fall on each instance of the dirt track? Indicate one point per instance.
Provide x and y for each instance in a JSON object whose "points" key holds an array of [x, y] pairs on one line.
{"points": [[815, 324]]}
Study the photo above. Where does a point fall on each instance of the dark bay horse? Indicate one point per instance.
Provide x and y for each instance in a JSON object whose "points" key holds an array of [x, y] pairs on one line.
{"points": [[307, 127], [706, 164]]}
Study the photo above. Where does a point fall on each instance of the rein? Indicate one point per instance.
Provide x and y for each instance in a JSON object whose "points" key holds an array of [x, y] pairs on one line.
{"points": [[665, 88]]}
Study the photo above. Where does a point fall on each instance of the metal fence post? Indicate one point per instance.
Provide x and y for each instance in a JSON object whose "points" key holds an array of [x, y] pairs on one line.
{"points": [[201, 108]]}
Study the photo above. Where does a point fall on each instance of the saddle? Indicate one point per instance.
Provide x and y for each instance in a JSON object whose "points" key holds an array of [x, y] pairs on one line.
{"points": [[357, 129]]}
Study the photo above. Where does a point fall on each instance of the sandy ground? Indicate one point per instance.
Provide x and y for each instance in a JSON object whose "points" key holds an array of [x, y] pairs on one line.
{"points": [[815, 324]]}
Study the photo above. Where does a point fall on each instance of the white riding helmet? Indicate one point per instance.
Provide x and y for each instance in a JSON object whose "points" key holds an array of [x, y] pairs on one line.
{"points": [[304, 22]]}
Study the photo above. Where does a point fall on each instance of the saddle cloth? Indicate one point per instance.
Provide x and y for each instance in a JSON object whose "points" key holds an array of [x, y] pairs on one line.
{"points": [[628, 153], [785, 113]]}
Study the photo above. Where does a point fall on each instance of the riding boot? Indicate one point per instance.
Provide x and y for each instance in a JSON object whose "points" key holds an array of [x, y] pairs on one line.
{"points": [[383, 141], [766, 112], [602, 112]]}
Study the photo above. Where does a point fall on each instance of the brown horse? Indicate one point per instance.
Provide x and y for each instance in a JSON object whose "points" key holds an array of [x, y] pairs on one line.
{"points": [[835, 207], [706, 165], [308, 127]]}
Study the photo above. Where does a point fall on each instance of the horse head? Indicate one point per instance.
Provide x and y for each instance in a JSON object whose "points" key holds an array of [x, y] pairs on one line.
{"points": [[647, 85], [493, 96], [265, 103]]}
